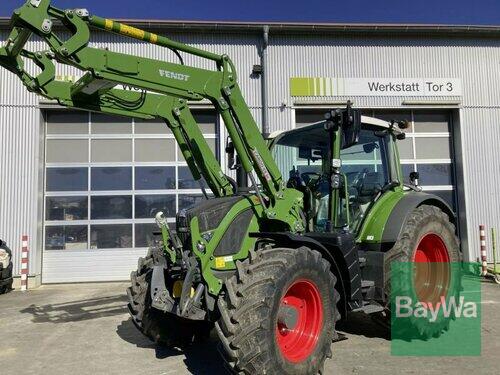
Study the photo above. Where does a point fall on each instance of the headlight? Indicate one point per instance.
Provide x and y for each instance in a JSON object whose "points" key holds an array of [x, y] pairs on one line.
{"points": [[4, 258]]}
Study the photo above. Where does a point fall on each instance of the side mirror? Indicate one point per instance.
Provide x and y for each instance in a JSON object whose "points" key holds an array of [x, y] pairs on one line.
{"points": [[349, 120], [404, 124], [368, 148], [414, 176]]}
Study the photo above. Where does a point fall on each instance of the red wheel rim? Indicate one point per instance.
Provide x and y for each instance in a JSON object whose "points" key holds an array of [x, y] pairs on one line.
{"points": [[432, 270], [431, 249], [297, 342]]}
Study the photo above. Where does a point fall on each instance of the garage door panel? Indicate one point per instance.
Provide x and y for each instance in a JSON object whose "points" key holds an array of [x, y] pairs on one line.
{"points": [[89, 265], [106, 179]]}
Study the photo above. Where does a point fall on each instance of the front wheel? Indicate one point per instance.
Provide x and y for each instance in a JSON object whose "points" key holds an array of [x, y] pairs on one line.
{"points": [[162, 328], [278, 313]]}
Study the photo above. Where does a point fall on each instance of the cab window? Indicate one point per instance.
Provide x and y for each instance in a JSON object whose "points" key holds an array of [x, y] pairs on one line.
{"points": [[365, 167]]}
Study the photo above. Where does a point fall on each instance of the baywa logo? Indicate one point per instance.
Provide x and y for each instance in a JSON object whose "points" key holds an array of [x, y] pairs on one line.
{"points": [[435, 309], [405, 307]]}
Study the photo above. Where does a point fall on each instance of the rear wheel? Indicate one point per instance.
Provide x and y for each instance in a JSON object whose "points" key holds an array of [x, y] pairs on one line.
{"points": [[161, 328], [278, 313], [428, 240]]}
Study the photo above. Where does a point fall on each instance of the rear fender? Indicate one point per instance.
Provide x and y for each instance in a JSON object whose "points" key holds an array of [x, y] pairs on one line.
{"points": [[405, 206]]}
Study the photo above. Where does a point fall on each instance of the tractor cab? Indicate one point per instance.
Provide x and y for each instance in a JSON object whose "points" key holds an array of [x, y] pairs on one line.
{"points": [[340, 176]]}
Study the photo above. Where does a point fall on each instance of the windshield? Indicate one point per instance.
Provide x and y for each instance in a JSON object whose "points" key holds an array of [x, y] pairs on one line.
{"points": [[302, 157]]}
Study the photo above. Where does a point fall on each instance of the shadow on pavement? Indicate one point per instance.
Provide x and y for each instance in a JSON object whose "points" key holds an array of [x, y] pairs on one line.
{"points": [[76, 311], [362, 325], [200, 358]]}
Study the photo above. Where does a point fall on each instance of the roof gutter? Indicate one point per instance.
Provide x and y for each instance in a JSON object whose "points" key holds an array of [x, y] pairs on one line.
{"points": [[288, 27]]}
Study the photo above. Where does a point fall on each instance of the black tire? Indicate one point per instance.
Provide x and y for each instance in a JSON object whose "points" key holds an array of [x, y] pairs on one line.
{"points": [[249, 309], [422, 221], [161, 328]]}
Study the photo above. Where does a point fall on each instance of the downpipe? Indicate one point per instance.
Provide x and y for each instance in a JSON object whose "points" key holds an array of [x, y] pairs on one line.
{"points": [[265, 109]]}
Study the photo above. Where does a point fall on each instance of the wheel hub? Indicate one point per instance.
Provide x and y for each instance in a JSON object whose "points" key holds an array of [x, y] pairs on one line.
{"points": [[432, 269], [288, 316], [299, 321]]}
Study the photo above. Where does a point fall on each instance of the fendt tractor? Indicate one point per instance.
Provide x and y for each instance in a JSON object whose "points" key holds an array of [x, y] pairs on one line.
{"points": [[274, 265]]}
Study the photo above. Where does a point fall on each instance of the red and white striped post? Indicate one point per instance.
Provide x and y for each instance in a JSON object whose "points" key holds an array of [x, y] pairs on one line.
{"points": [[24, 265], [482, 239]]}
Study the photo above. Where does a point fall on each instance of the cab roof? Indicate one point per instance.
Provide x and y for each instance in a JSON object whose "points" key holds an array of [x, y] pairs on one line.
{"points": [[365, 120]]}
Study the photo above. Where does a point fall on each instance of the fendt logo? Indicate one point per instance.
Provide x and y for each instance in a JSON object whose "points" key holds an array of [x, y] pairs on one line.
{"points": [[174, 75], [430, 311]]}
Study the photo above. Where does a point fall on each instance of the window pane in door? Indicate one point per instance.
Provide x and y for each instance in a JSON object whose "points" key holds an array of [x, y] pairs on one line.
{"points": [[154, 150], [66, 122], [154, 178], [66, 237], [111, 236], [430, 122], [144, 234], [433, 148], [186, 201], [66, 208], [186, 180], [147, 206], [67, 179], [212, 144], [115, 178], [151, 127], [405, 148], [111, 207], [309, 116], [67, 151], [435, 174], [206, 120], [106, 124], [111, 150]]}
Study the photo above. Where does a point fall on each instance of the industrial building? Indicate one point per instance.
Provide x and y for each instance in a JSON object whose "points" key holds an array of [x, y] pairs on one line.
{"points": [[85, 187]]}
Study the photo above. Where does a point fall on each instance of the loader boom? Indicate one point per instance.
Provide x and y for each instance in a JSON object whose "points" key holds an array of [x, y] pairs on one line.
{"points": [[174, 84]]}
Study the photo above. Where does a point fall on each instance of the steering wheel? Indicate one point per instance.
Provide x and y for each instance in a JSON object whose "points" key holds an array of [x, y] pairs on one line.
{"points": [[359, 177], [308, 180]]}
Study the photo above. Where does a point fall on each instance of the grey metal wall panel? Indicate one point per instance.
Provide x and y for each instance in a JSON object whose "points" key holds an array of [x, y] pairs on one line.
{"points": [[19, 160], [473, 60], [480, 138]]}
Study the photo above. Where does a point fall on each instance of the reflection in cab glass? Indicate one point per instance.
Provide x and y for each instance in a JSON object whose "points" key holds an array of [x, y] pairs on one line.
{"points": [[302, 156]]}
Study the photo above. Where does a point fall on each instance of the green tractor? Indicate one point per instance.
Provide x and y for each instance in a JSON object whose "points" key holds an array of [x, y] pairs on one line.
{"points": [[273, 266]]}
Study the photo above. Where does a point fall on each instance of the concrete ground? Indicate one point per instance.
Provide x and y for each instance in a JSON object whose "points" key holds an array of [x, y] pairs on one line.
{"points": [[85, 329]]}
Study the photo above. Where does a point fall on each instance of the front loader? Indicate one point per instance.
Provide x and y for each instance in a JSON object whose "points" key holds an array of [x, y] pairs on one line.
{"points": [[274, 266]]}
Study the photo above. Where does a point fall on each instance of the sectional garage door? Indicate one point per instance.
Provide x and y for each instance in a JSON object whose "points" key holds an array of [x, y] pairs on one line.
{"points": [[105, 179], [427, 149]]}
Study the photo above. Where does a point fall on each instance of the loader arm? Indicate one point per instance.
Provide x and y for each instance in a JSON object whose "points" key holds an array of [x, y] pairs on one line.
{"points": [[173, 111], [175, 83]]}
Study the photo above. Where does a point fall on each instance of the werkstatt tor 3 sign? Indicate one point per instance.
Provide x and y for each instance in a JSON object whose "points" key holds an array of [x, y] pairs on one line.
{"points": [[323, 86]]}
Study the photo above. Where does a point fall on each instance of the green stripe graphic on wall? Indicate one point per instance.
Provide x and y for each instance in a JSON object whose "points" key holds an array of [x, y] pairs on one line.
{"points": [[311, 86]]}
